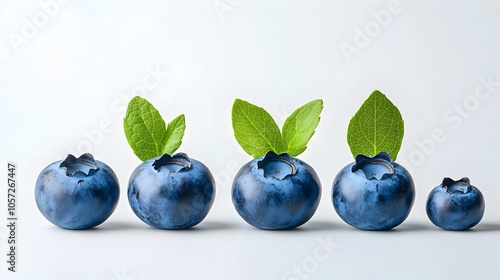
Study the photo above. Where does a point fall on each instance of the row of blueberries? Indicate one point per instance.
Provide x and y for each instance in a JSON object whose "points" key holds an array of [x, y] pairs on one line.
{"points": [[272, 192]]}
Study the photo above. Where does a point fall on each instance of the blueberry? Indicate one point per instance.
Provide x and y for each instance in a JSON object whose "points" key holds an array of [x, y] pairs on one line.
{"points": [[373, 193], [77, 193], [276, 192], [455, 205], [171, 192]]}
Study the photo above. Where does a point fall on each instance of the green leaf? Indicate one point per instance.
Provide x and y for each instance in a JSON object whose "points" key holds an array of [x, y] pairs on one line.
{"points": [[175, 132], [376, 127], [300, 126], [146, 131], [255, 130]]}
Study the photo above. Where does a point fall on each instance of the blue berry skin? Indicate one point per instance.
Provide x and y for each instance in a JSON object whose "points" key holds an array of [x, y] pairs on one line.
{"points": [[373, 193], [455, 205], [171, 192], [285, 200], [81, 200]]}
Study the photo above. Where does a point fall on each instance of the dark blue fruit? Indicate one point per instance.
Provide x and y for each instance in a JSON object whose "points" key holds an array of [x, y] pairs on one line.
{"points": [[373, 193], [276, 192], [455, 205], [171, 192], [77, 193]]}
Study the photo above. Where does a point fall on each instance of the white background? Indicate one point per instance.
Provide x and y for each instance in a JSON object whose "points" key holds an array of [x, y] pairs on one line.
{"points": [[64, 86]]}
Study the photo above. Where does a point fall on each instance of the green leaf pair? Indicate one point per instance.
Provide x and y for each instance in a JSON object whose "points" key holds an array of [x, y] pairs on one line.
{"points": [[146, 132], [257, 132]]}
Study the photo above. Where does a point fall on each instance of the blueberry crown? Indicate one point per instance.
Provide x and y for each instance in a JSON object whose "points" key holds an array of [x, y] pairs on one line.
{"points": [[460, 186], [85, 163]]}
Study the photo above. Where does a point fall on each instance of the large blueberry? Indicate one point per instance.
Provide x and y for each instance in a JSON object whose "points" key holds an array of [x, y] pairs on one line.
{"points": [[373, 193], [455, 205], [276, 192], [171, 192], [77, 193]]}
